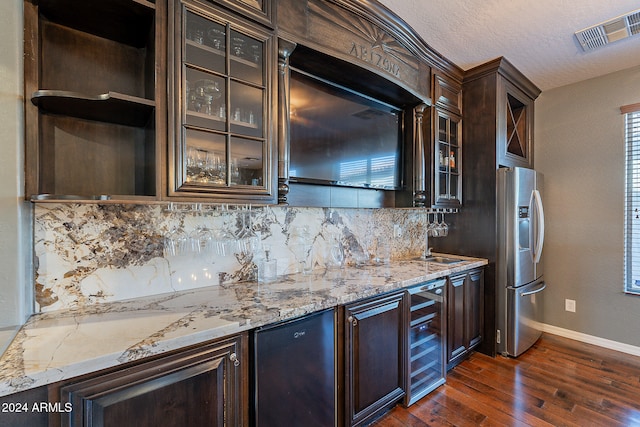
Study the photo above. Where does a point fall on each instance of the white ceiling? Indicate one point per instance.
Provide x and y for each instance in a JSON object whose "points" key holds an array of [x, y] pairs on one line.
{"points": [[536, 36]]}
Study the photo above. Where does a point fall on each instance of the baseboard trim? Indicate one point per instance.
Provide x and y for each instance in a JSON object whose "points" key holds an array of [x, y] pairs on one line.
{"points": [[590, 339]]}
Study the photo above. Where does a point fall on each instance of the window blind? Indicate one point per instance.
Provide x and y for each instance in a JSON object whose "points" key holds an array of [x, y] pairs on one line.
{"points": [[632, 200]]}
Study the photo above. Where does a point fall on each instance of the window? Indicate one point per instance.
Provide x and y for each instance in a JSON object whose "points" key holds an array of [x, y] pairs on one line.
{"points": [[632, 199]]}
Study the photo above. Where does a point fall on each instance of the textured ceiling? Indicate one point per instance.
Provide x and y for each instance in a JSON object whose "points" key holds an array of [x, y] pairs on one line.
{"points": [[535, 36]]}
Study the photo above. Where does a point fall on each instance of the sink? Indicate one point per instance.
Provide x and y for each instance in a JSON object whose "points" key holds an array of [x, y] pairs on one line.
{"points": [[442, 260]]}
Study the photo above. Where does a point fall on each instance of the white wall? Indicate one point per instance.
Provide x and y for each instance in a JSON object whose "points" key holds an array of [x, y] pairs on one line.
{"points": [[15, 214], [579, 147]]}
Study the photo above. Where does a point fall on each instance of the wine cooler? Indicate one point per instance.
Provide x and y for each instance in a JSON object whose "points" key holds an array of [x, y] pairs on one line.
{"points": [[426, 339]]}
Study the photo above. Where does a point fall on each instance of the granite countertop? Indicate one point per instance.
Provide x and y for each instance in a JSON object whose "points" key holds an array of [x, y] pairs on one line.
{"points": [[60, 345]]}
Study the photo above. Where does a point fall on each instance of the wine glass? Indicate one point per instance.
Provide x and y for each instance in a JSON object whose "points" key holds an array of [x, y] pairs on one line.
{"points": [[238, 45], [432, 228], [175, 243], [444, 227], [256, 50], [336, 253], [248, 241], [192, 171], [201, 165], [216, 36], [300, 245], [225, 241], [201, 240]]}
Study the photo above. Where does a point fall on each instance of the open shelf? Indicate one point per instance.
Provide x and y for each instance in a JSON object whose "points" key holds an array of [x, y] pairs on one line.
{"points": [[111, 107], [95, 80], [124, 21]]}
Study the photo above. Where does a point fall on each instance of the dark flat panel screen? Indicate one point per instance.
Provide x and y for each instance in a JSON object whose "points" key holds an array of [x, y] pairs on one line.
{"points": [[340, 137]]}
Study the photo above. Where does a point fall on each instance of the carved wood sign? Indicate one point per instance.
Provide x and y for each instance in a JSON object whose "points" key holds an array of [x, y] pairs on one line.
{"points": [[376, 58], [344, 34], [361, 40]]}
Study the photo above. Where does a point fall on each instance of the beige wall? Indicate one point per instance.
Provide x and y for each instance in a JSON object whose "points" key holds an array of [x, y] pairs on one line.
{"points": [[15, 225], [579, 134]]}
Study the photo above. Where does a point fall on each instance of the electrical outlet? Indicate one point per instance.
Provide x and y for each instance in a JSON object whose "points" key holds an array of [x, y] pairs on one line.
{"points": [[397, 231], [570, 305]]}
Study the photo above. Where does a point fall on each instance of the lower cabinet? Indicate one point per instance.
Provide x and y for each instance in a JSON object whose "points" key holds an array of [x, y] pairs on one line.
{"points": [[374, 356], [208, 384], [202, 386], [465, 314]]}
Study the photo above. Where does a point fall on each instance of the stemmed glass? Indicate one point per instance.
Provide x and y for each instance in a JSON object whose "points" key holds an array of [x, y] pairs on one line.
{"points": [[336, 253], [201, 241], [216, 35], [224, 238], [444, 227], [433, 230], [238, 44], [301, 246], [197, 158], [175, 243], [192, 171], [248, 241]]}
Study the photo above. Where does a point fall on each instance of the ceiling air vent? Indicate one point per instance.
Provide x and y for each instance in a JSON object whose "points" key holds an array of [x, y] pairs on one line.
{"points": [[610, 31]]}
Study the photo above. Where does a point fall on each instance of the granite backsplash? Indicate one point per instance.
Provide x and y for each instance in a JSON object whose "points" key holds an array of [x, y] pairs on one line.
{"points": [[94, 253]]}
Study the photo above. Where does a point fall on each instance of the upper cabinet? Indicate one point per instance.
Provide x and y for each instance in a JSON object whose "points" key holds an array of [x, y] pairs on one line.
{"points": [[185, 100], [515, 147], [445, 154], [447, 94], [222, 106], [94, 84], [499, 109], [447, 167]]}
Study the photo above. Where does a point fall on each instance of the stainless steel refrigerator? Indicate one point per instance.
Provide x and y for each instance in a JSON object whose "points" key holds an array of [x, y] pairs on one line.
{"points": [[519, 267]]}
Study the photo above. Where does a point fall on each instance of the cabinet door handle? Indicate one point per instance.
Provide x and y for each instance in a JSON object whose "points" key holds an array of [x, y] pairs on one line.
{"points": [[352, 320], [234, 358]]}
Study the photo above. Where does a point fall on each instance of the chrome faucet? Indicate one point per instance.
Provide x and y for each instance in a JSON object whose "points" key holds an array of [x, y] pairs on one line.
{"points": [[427, 249]]}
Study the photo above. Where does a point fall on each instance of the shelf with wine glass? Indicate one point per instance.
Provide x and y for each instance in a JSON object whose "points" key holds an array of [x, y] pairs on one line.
{"points": [[225, 95], [197, 49], [446, 179]]}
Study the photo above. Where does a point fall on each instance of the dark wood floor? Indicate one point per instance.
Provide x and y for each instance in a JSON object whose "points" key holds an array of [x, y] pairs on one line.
{"points": [[558, 382]]}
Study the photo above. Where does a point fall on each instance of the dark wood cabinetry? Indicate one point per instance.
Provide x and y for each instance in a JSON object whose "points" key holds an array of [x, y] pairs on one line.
{"points": [[499, 106], [149, 100], [203, 386], [375, 356], [94, 88], [515, 126], [447, 160], [447, 93], [389, 347], [445, 154], [464, 314], [487, 91], [223, 106]]}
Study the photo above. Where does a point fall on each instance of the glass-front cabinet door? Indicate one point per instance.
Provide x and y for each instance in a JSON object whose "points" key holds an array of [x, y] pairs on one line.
{"points": [[447, 185], [223, 104]]}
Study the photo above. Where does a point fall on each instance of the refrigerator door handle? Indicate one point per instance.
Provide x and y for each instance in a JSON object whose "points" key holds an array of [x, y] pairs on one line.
{"points": [[524, 294], [539, 226]]}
